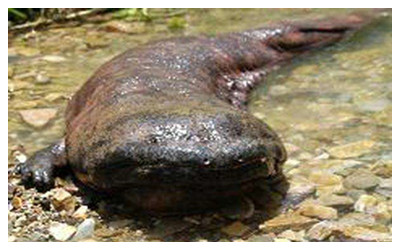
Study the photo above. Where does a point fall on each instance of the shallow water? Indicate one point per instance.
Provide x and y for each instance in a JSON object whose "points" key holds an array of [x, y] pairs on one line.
{"points": [[318, 103]]}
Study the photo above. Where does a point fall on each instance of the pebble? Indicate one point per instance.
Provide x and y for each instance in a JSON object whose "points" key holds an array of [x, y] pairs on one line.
{"points": [[38, 118], [321, 230], [336, 201], [80, 213], [365, 203], [292, 235], [16, 202], [235, 229], [20, 221], [361, 179], [53, 58], [85, 230], [61, 231], [42, 79], [261, 238], [287, 221], [351, 150], [382, 169], [317, 211], [326, 182], [365, 234], [63, 200]]}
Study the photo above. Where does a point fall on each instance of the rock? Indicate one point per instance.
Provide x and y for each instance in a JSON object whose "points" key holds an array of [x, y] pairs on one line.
{"points": [[382, 168], [20, 221], [53, 58], [317, 211], [355, 193], [261, 238], [16, 202], [85, 230], [281, 240], [292, 235], [364, 234], [63, 200], [351, 150], [80, 213], [61, 231], [375, 105], [287, 221], [10, 72], [54, 97], [277, 90], [42, 79], [357, 219], [336, 201], [11, 238], [235, 229], [365, 203], [326, 182], [370, 205], [361, 179], [38, 117], [116, 224], [321, 230], [385, 188]]}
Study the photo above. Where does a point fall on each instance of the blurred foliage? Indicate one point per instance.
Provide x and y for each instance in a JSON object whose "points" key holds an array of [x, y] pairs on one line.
{"points": [[133, 14], [177, 23]]}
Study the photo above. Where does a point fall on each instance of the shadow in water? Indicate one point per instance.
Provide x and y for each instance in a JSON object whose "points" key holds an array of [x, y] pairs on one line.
{"points": [[266, 200]]}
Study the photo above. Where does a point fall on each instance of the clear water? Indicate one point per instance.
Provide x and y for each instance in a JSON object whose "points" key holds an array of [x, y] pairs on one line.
{"points": [[338, 95]]}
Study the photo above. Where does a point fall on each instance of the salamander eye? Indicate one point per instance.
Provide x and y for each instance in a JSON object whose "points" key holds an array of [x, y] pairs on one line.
{"points": [[206, 161]]}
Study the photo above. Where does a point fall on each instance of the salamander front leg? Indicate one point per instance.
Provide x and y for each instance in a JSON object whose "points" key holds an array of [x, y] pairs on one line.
{"points": [[38, 170]]}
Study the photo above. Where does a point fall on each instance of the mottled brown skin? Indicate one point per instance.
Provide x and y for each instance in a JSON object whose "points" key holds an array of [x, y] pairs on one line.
{"points": [[165, 126]]}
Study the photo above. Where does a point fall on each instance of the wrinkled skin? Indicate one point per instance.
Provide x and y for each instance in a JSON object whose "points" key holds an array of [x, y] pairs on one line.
{"points": [[165, 124]]}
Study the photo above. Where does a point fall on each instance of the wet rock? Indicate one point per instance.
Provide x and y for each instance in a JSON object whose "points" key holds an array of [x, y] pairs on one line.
{"points": [[355, 193], [54, 97], [321, 230], [287, 221], [382, 168], [365, 203], [278, 90], [38, 117], [85, 230], [61, 231], [336, 201], [370, 205], [42, 79], [292, 235], [361, 179], [326, 182], [365, 234], [317, 211], [375, 105], [123, 27], [351, 150], [385, 188], [53, 58], [63, 200], [357, 219], [235, 229], [80, 213], [10, 72]]}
